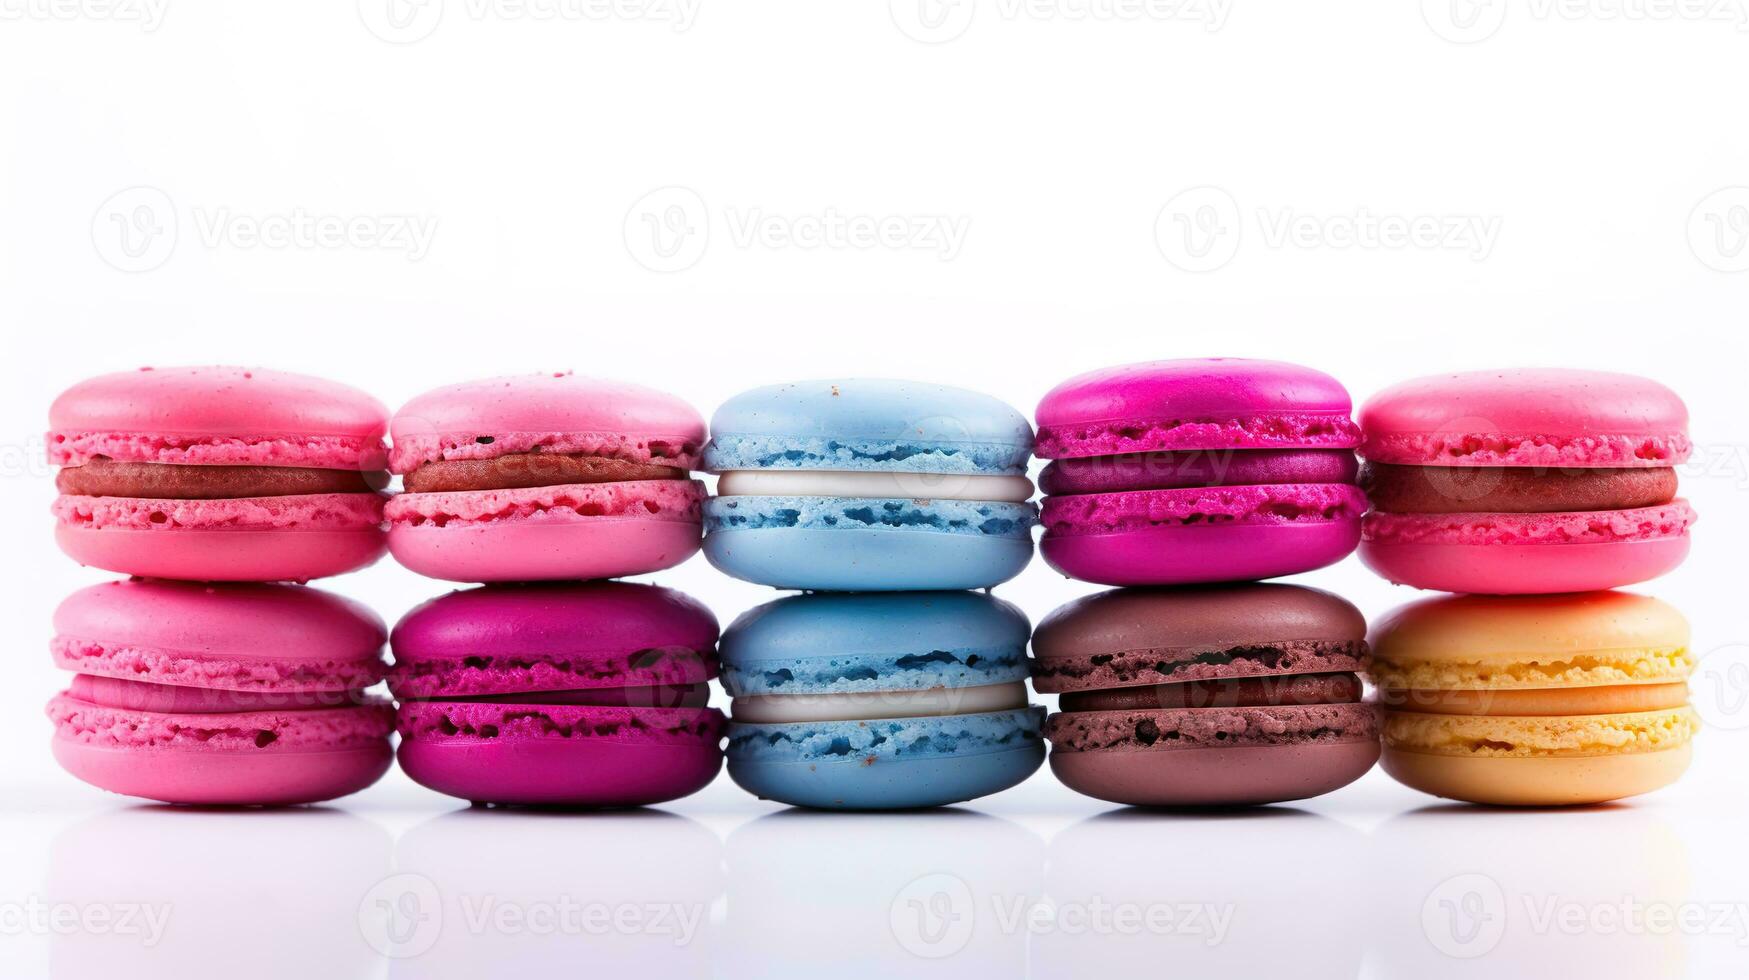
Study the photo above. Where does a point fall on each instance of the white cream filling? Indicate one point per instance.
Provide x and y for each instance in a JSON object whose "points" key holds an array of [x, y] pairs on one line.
{"points": [[842, 483], [778, 709]]}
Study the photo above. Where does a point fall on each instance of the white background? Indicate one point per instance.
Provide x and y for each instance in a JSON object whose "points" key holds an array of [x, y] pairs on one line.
{"points": [[633, 191]]}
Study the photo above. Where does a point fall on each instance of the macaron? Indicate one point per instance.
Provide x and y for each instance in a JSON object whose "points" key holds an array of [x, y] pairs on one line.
{"points": [[1212, 696], [586, 695], [1535, 700], [1530, 480], [1193, 471], [218, 474], [224, 694], [544, 476], [870, 485], [880, 701]]}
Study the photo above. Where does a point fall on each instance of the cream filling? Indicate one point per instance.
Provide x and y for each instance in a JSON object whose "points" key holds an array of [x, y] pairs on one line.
{"points": [[840, 483], [779, 709]]}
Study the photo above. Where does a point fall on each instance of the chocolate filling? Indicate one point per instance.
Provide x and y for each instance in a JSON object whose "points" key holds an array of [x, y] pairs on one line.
{"points": [[523, 470], [662, 696], [103, 477], [1242, 692], [1513, 490]]}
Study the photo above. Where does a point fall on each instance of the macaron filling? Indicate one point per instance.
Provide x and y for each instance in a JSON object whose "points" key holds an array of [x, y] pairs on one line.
{"points": [[104, 477], [875, 484], [870, 705], [1469, 489], [533, 469], [1242, 692], [114, 692], [1540, 701], [1193, 468]]}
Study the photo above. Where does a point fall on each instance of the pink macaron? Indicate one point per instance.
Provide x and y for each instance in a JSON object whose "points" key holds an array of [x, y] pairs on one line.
{"points": [[547, 476], [218, 474], [588, 694], [1531, 480], [1208, 470], [224, 694]]}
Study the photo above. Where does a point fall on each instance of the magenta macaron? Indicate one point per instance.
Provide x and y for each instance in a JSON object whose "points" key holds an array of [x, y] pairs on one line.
{"points": [[1187, 471], [226, 694], [558, 694], [1525, 481], [547, 476], [218, 474]]}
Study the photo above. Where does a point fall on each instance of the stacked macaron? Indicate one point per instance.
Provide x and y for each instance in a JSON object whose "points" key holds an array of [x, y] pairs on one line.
{"points": [[900, 695], [1530, 486], [1222, 695], [1535, 700], [1180, 474], [1212, 470], [880, 700], [219, 693], [1525, 481], [587, 693]]}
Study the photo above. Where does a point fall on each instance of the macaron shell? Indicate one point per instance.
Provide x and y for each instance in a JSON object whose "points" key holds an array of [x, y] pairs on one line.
{"points": [[223, 555], [263, 758], [217, 415], [1269, 504], [299, 512], [1662, 522], [580, 532], [892, 763], [868, 424], [867, 558], [1549, 781], [1524, 569], [1555, 417], [1209, 403], [229, 637], [1176, 729], [1540, 736], [1227, 776], [558, 412], [559, 755], [1191, 554]]}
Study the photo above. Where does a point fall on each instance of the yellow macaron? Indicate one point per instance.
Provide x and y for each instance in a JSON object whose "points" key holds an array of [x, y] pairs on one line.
{"points": [[1535, 700]]}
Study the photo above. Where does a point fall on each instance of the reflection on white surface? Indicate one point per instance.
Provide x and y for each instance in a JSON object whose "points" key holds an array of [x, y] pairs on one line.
{"points": [[266, 894], [1465, 891], [482, 893], [1238, 893], [918, 894]]}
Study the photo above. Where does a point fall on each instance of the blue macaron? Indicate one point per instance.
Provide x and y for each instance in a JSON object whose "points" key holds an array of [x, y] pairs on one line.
{"points": [[869, 485], [880, 701]]}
